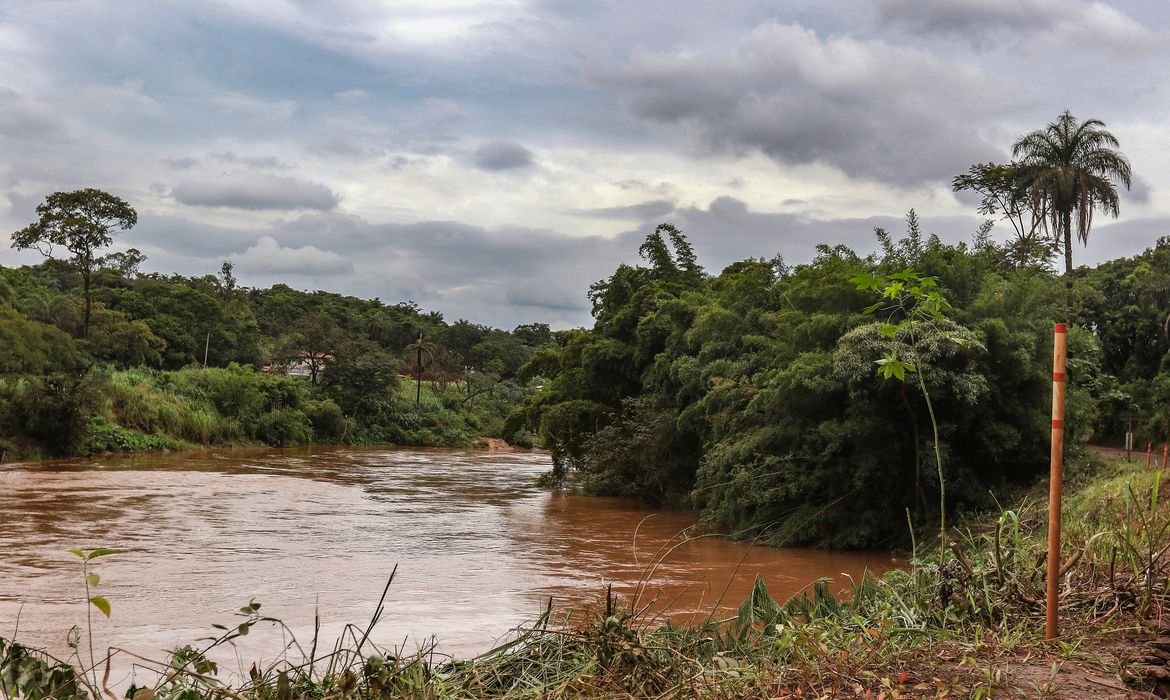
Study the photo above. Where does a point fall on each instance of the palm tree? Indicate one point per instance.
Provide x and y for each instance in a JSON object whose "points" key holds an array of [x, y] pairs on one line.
{"points": [[1070, 167], [421, 348]]}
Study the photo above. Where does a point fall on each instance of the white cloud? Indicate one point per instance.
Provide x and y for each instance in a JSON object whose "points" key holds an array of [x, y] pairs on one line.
{"points": [[268, 256]]}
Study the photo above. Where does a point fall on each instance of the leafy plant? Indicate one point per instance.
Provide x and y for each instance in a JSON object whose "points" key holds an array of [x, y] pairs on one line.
{"points": [[92, 579], [910, 303]]}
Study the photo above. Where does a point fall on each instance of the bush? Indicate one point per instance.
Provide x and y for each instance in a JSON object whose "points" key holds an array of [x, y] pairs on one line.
{"points": [[284, 427], [103, 436], [329, 423], [523, 439], [53, 410]]}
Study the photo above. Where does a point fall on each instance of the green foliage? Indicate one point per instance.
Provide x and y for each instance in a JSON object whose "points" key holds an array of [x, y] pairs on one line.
{"points": [[34, 348], [753, 396], [115, 339], [284, 427], [1068, 169], [914, 310], [28, 674], [103, 436], [328, 421], [80, 222], [360, 375], [53, 410]]}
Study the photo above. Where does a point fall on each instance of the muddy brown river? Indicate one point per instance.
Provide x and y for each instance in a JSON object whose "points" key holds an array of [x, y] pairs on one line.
{"points": [[479, 549]]}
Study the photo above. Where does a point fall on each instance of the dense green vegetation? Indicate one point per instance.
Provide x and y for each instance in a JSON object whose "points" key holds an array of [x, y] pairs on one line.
{"points": [[752, 394], [154, 361]]}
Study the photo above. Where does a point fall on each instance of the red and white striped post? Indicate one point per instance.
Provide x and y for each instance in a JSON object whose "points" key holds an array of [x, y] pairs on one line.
{"points": [[1056, 471]]}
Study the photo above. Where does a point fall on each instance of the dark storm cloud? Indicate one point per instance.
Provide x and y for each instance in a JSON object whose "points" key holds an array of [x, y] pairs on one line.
{"points": [[728, 230], [502, 155], [644, 210], [970, 18], [255, 191], [986, 23], [1114, 239], [870, 109], [1139, 191]]}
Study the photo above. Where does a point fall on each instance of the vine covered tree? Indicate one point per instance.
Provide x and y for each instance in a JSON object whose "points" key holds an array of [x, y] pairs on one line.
{"points": [[1069, 168], [82, 222]]}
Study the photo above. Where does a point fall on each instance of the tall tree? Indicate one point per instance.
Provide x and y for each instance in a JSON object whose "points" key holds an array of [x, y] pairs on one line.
{"points": [[1005, 191], [421, 349], [312, 343], [82, 222], [1070, 166]]}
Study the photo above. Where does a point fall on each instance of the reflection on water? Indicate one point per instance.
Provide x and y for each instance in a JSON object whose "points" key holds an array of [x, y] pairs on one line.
{"points": [[479, 548]]}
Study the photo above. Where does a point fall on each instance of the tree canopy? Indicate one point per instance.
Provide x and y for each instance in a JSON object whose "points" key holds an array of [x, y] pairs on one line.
{"points": [[82, 222]]}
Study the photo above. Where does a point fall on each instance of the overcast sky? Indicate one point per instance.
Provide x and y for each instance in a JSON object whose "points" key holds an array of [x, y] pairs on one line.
{"points": [[491, 159]]}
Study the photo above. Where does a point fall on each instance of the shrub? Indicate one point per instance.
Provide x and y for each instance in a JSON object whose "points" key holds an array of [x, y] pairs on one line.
{"points": [[329, 423], [284, 427], [523, 439], [52, 410], [104, 436]]}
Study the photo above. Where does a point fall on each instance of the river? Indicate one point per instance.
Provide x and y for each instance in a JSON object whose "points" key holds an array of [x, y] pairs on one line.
{"points": [[479, 549]]}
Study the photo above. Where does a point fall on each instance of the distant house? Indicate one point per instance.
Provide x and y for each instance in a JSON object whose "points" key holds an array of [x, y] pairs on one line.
{"points": [[308, 365]]}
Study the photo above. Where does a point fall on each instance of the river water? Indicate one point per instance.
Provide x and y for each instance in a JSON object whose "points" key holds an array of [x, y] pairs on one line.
{"points": [[479, 549]]}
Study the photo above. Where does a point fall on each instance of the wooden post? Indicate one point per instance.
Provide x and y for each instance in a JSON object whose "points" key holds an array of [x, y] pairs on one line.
{"points": [[1129, 441], [1149, 454], [1165, 454], [1056, 476]]}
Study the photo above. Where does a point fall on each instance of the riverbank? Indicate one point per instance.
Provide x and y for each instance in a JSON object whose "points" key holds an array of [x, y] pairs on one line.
{"points": [[968, 624], [142, 410]]}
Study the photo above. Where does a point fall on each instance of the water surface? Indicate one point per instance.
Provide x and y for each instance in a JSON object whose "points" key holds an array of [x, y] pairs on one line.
{"points": [[478, 548]]}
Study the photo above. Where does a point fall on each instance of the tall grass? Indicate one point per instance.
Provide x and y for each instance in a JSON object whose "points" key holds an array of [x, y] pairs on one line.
{"points": [[147, 401]]}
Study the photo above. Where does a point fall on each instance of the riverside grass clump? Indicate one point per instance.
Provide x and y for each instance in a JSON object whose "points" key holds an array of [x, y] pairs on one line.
{"points": [[966, 623], [141, 410]]}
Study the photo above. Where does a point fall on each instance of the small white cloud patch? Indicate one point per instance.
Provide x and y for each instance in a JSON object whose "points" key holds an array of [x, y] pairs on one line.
{"points": [[268, 256]]}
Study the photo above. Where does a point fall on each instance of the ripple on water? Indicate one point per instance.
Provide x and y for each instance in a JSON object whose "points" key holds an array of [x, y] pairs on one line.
{"points": [[479, 548]]}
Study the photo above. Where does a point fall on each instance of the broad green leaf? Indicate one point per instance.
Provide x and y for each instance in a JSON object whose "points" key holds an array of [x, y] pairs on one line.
{"points": [[866, 281], [100, 553], [101, 603], [889, 367], [93, 579], [78, 552], [889, 330], [243, 629]]}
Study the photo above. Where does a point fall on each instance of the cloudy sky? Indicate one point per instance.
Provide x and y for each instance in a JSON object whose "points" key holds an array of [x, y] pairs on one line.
{"points": [[490, 159]]}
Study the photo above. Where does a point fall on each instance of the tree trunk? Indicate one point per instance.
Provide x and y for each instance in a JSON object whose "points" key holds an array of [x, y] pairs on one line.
{"points": [[88, 304], [1066, 224], [418, 379]]}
